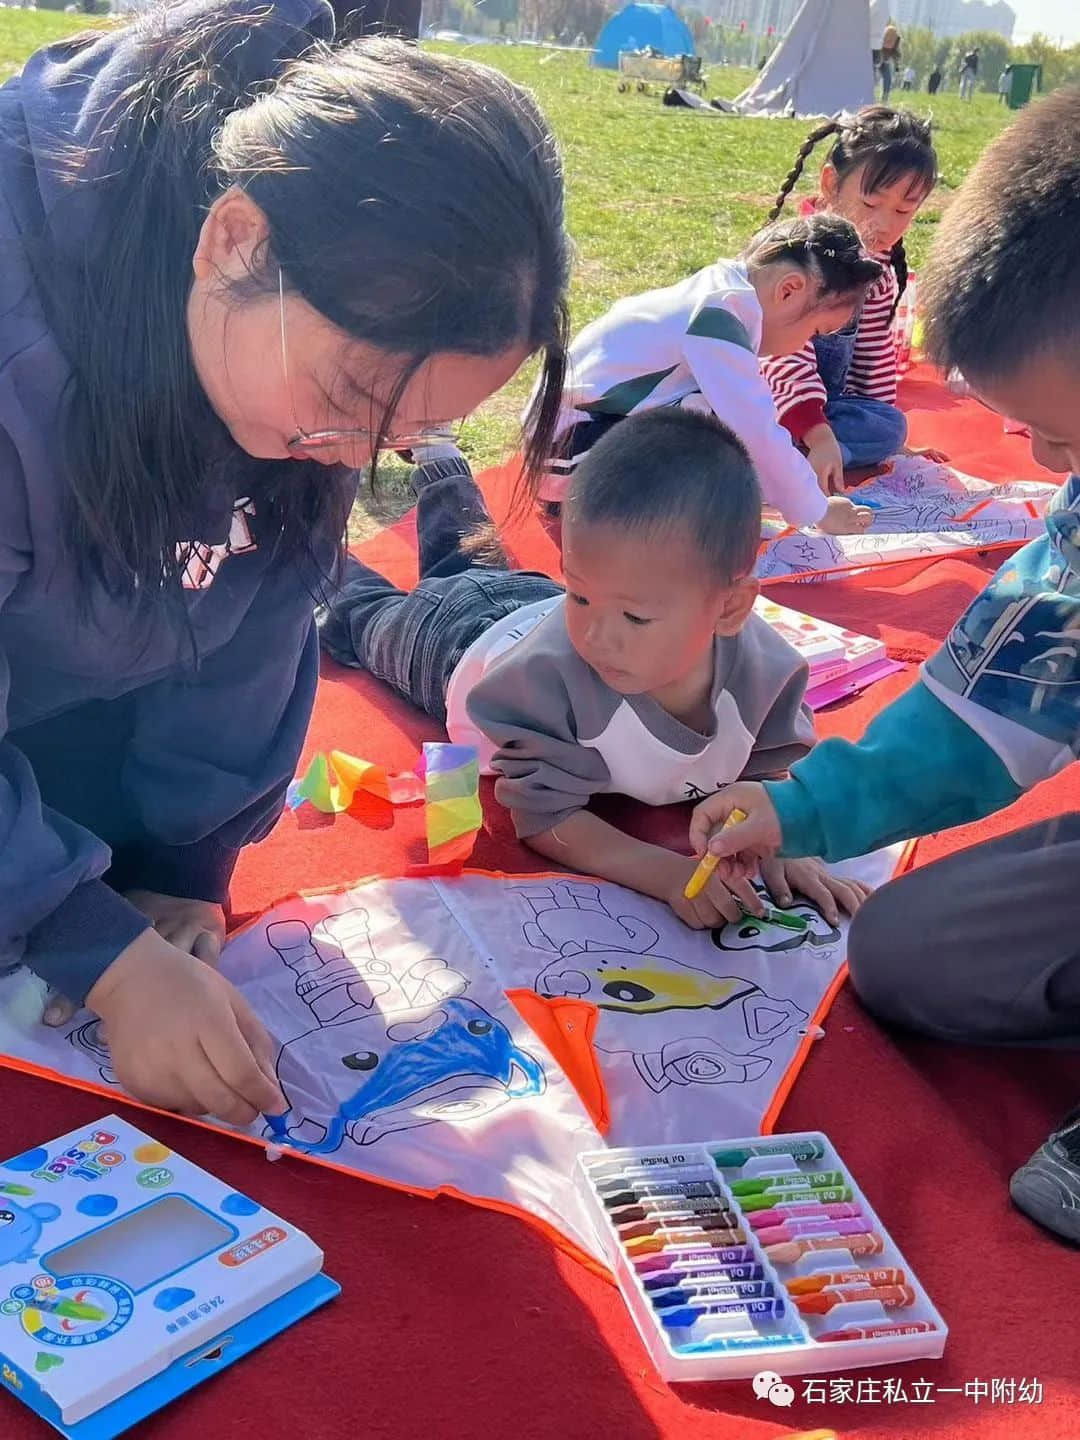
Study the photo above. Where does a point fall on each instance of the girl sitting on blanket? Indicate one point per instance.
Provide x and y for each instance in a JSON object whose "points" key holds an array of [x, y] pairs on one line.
{"points": [[648, 675], [236, 262], [696, 345], [837, 393]]}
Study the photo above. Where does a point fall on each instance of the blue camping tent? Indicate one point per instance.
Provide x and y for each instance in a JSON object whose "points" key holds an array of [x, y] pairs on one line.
{"points": [[638, 26]]}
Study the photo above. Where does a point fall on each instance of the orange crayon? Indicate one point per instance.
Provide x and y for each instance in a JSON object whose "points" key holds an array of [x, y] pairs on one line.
{"points": [[893, 1297], [811, 1284]]}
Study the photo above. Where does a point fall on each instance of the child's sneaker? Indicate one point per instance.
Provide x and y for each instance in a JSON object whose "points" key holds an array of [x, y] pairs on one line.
{"points": [[1048, 1187]]}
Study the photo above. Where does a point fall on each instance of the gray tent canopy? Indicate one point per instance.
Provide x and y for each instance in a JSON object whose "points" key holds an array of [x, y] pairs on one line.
{"points": [[821, 66]]}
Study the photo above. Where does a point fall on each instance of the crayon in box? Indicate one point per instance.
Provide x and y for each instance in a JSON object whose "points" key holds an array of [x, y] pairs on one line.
{"points": [[721, 1288], [129, 1275]]}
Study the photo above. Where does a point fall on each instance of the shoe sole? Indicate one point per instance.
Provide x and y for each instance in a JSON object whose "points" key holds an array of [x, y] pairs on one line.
{"points": [[1048, 1191]]}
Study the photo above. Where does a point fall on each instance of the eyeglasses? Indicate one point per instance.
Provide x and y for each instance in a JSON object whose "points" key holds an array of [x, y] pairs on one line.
{"points": [[305, 441]]}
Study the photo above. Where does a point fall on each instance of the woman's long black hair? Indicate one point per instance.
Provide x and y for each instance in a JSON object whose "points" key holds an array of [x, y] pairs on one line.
{"points": [[415, 200]]}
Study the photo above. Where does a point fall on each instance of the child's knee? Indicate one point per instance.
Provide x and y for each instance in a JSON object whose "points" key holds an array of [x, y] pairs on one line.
{"points": [[897, 425], [893, 970]]}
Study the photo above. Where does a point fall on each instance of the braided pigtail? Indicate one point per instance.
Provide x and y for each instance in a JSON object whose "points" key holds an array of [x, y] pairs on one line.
{"points": [[898, 261], [824, 246], [830, 127]]}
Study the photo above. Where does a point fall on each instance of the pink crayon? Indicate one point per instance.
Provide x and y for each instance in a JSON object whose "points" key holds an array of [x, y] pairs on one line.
{"points": [[685, 1254], [777, 1234], [780, 1214]]}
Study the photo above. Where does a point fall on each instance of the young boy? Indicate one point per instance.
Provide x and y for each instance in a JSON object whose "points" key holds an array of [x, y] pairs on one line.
{"points": [[998, 708], [648, 676]]}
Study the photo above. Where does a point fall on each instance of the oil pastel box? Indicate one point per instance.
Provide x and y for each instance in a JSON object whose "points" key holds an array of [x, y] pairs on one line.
{"points": [[736, 1256], [128, 1275]]}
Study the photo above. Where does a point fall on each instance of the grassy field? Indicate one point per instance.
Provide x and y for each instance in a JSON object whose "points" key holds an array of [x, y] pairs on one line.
{"points": [[654, 193]]}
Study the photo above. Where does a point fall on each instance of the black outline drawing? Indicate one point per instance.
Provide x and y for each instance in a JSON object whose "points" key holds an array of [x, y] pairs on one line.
{"points": [[89, 1038], [570, 922], [383, 1022], [919, 503]]}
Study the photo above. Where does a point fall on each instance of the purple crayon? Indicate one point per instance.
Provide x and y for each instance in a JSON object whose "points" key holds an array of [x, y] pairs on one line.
{"points": [[781, 1214], [793, 1229], [693, 1272]]}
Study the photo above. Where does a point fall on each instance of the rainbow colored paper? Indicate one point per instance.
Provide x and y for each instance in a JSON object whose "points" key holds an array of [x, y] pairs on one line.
{"points": [[331, 783], [453, 814]]}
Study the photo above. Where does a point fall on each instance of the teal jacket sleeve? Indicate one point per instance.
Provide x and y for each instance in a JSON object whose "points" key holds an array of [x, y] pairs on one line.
{"points": [[918, 768], [996, 710]]}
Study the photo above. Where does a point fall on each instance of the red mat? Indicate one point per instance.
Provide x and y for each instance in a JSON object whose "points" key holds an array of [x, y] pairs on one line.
{"points": [[460, 1324]]}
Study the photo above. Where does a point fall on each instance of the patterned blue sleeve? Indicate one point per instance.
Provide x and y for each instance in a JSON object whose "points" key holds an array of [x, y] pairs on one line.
{"points": [[1011, 665], [996, 710]]}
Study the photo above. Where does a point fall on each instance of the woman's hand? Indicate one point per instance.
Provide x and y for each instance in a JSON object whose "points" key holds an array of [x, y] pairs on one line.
{"points": [[194, 926], [926, 452], [784, 879], [182, 1038]]}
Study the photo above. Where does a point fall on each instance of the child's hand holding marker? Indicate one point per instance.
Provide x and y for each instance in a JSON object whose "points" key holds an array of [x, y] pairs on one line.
{"points": [[749, 835], [739, 825], [705, 900]]}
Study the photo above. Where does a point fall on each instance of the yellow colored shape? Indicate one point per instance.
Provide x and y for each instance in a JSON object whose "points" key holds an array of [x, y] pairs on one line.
{"points": [[151, 1154], [31, 1320], [668, 990]]}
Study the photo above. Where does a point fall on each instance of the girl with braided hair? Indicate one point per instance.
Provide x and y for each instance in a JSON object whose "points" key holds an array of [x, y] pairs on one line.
{"points": [[696, 344], [837, 396]]}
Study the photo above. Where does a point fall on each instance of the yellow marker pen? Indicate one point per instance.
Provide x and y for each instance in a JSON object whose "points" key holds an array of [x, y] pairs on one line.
{"points": [[708, 862]]}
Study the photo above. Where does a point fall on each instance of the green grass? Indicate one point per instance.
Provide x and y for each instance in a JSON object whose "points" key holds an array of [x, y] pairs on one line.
{"points": [[653, 193], [24, 31]]}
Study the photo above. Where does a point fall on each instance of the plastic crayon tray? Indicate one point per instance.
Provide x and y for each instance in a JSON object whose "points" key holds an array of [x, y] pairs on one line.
{"points": [[736, 1256]]}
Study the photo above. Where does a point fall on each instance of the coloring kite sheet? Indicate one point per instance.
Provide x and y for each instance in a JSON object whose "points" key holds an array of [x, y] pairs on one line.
{"points": [[475, 1034], [921, 509]]}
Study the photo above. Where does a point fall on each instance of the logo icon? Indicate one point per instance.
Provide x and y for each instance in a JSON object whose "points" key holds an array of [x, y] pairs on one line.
{"points": [[769, 1386]]}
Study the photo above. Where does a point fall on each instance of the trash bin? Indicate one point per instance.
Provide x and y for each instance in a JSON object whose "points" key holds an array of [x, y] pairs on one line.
{"points": [[1022, 80]]}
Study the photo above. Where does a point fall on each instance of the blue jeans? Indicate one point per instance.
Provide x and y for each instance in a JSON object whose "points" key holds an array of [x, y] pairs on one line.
{"points": [[886, 79], [867, 431], [413, 640]]}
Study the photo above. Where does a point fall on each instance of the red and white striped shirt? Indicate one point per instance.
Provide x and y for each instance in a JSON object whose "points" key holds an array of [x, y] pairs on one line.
{"points": [[797, 386]]}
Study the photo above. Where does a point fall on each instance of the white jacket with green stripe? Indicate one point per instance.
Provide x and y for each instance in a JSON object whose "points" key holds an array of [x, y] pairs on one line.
{"points": [[692, 343]]}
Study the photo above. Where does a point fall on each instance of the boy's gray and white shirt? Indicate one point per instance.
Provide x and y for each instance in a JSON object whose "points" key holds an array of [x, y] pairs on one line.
{"points": [[555, 734]]}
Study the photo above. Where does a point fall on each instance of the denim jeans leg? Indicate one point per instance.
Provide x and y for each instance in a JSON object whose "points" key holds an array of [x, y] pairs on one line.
{"points": [[371, 625], [867, 431], [449, 509]]}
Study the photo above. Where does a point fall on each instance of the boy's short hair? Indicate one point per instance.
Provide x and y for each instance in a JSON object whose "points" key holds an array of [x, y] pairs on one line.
{"points": [[1003, 284], [674, 469]]}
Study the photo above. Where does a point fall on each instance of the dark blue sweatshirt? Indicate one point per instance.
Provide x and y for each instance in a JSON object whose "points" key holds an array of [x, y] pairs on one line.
{"points": [[214, 727]]}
